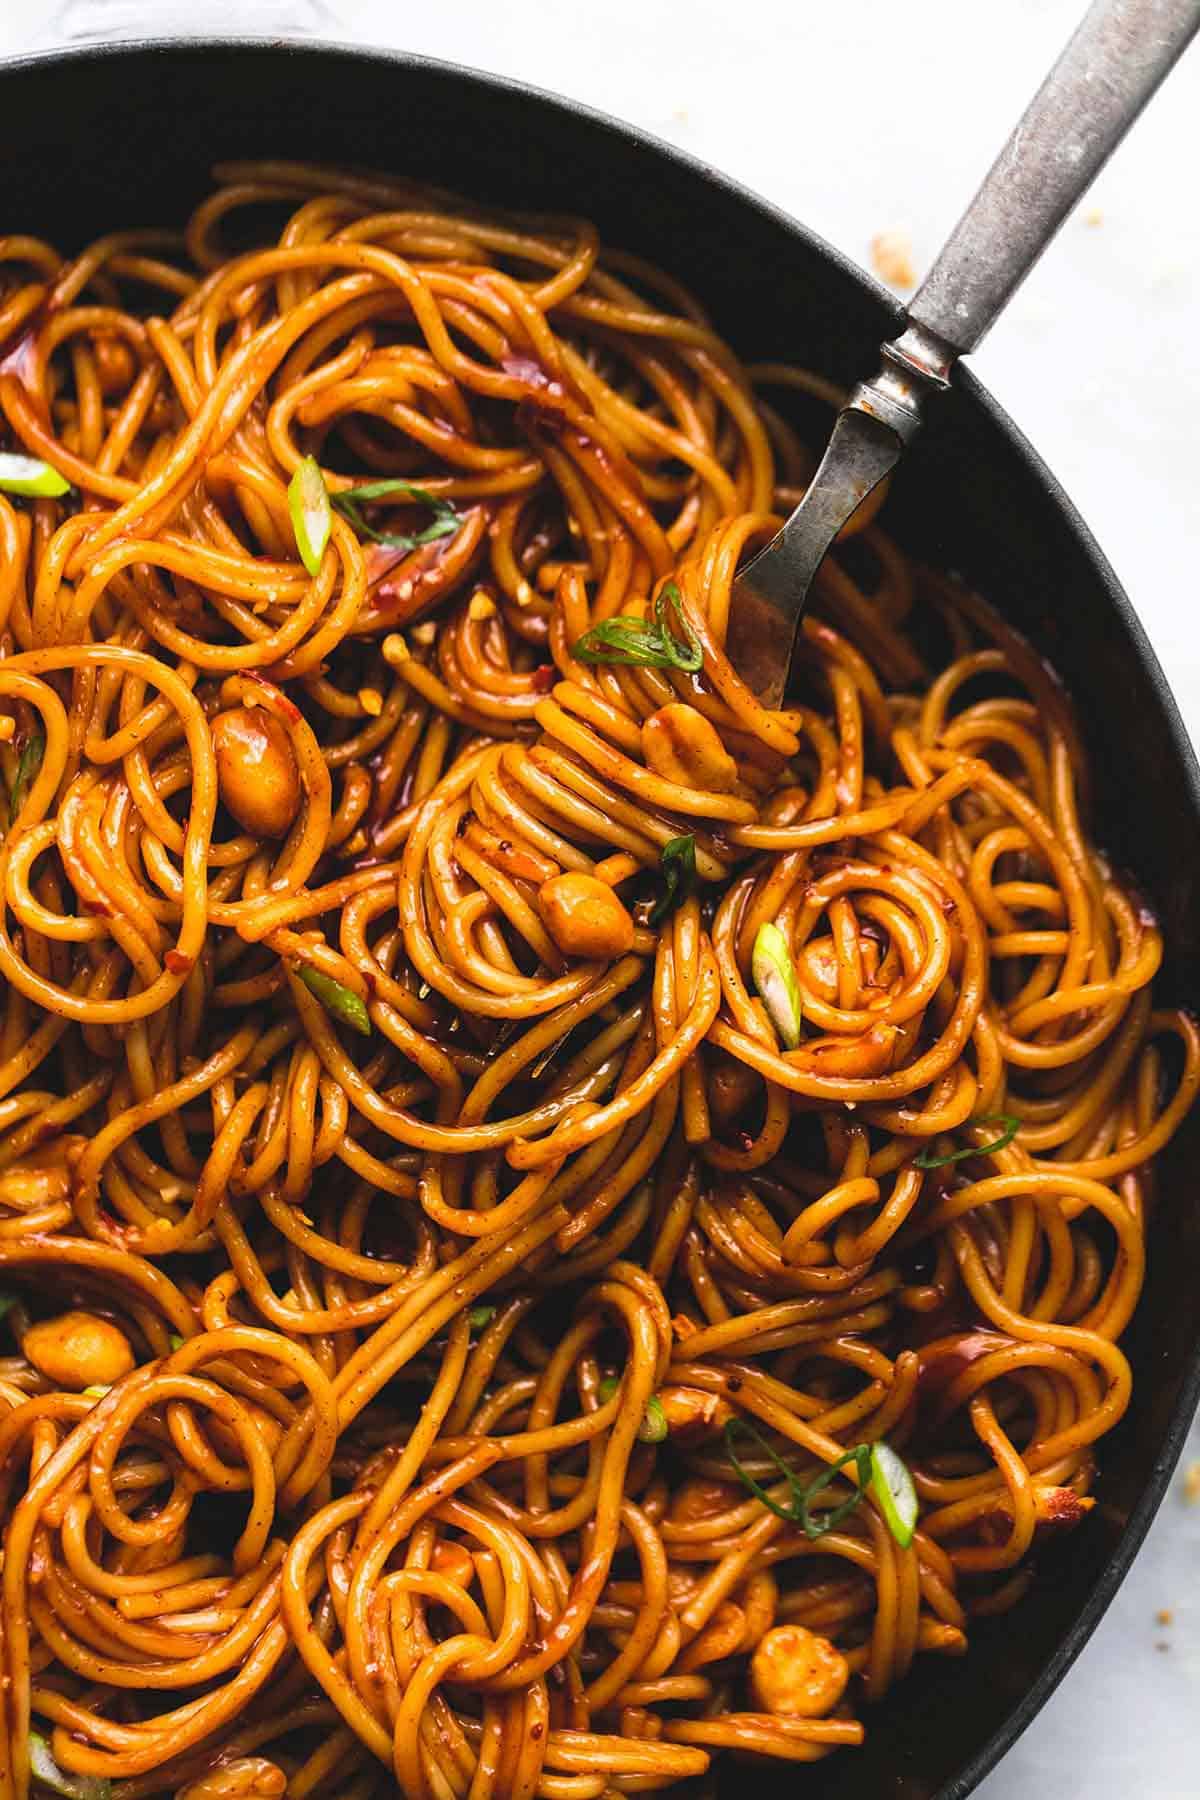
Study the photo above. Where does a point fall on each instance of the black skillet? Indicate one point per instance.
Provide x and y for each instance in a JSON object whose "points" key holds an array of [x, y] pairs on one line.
{"points": [[124, 135]]}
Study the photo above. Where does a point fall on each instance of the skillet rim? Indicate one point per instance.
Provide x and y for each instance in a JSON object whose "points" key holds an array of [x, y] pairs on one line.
{"points": [[343, 52]]}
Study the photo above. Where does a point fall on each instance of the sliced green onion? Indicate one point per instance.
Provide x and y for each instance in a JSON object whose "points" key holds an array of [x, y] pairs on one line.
{"points": [[44, 1769], [649, 643], [28, 766], [308, 503], [446, 518], [802, 1493], [480, 1317], [654, 1428], [175, 1341], [679, 875], [98, 1392], [1011, 1127], [30, 475], [892, 1485], [341, 1001], [775, 978]]}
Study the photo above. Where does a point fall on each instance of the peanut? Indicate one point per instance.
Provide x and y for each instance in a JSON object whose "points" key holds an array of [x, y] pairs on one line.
{"points": [[77, 1350], [584, 916], [796, 1674], [681, 745], [256, 769]]}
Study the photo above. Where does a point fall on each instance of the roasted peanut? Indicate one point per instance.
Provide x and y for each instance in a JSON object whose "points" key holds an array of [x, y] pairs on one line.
{"points": [[701, 1498], [35, 1184], [796, 1674], [584, 917], [692, 1413], [256, 769], [77, 1350], [681, 745], [245, 1778]]}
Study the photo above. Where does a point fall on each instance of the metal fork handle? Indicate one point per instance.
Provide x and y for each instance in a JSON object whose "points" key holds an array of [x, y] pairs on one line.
{"points": [[1112, 66]]}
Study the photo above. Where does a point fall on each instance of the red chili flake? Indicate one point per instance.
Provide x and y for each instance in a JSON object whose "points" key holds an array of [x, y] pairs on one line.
{"points": [[178, 963], [543, 678], [535, 1731]]}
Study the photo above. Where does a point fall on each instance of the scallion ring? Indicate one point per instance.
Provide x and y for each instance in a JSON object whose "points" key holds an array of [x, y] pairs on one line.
{"points": [[774, 975], [312, 520], [31, 476], [1011, 1127], [647, 643], [29, 764], [654, 1428], [337, 999], [678, 859], [803, 1493], [350, 502], [47, 1772], [893, 1487]]}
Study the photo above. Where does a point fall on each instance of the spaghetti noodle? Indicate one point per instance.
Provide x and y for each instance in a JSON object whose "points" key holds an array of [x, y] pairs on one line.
{"points": [[555, 1223]]}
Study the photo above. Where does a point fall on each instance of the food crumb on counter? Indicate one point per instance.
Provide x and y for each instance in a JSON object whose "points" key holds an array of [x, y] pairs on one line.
{"points": [[1191, 1484], [1093, 216], [892, 258], [1164, 1616]]}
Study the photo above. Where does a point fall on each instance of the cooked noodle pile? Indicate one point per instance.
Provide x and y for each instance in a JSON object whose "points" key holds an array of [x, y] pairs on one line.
{"points": [[447, 1243]]}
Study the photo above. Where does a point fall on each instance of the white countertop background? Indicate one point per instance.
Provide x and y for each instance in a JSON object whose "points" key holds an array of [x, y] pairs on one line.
{"points": [[1096, 359]]}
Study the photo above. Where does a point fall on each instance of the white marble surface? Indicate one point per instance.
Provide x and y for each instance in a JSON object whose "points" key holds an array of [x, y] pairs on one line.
{"points": [[1096, 360]]}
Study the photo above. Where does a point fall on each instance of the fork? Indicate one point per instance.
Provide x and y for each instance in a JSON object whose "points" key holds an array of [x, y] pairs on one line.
{"points": [[1108, 72]]}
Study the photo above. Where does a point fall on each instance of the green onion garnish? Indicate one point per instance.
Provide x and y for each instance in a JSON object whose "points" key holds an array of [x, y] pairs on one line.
{"points": [[98, 1392], [679, 875], [45, 1770], [175, 1341], [802, 1493], [446, 518], [480, 1317], [649, 643], [308, 503], [1011, 1127], [775, 978], [893, 1487], [341, 1001], [27, 771], [653, 1428], [30, 475], [876, 1465]]}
